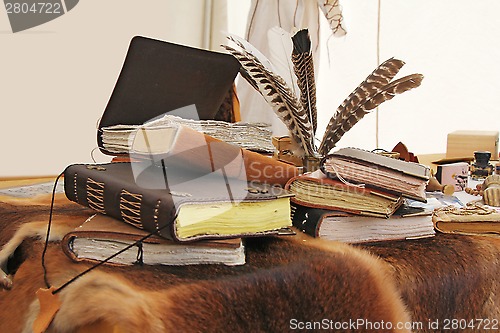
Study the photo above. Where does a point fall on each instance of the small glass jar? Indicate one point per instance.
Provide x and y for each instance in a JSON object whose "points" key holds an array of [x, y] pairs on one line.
{"points": [[481, 168]]}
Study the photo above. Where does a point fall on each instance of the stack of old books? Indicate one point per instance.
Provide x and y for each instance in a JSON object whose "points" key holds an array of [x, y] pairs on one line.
{"points": [[187, 197], [197, 196], [360, 196]]}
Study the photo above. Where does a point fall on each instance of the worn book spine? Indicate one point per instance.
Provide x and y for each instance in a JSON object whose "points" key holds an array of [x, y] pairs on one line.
{"points": [[309, 220], [111, 189]]}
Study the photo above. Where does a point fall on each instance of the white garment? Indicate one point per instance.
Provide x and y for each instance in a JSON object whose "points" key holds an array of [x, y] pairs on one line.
{"points": [[289, 15]]}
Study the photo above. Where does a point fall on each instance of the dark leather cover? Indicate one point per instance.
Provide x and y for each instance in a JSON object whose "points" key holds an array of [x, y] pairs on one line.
{"points": [[149, 197], [158, 77], [309, 219]]}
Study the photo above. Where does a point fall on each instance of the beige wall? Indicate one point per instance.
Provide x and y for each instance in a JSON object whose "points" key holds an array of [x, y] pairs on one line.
{"points": [[55, 79]]}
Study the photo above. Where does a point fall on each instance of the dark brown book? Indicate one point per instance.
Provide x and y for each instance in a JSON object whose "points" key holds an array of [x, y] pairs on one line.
{"points": [[101, 236], [177, 203], [158, 77], [349, 228]]}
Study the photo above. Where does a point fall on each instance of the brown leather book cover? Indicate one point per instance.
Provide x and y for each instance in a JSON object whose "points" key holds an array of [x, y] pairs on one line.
{"points": [[101, 236], [159, 77], [185, 147], [179, 204]]}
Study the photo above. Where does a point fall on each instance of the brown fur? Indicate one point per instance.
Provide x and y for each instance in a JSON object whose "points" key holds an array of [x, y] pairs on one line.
{"points": [[465, 273], [292, 277]]}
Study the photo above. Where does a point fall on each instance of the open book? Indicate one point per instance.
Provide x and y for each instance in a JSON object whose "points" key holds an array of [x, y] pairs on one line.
{"points": [[101, 236]]}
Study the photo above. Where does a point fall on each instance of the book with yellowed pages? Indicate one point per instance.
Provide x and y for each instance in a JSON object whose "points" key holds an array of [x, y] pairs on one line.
{"points": [[101, 236], [359, 166], [473, 218], [177, 203], [348, 228], [316, 190]]}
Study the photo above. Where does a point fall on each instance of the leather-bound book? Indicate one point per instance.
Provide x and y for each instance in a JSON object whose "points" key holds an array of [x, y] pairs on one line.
{"points": [[408, 179], [101, 237], [316, 190], [177, 203], [159, 77], [472, 219], [349, 228], [181, 146]]}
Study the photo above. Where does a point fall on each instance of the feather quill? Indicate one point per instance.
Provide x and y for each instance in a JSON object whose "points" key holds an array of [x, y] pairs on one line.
{"points": [[299, 117], [372, 92], [276, 92], [303, 64], [280, 50]]}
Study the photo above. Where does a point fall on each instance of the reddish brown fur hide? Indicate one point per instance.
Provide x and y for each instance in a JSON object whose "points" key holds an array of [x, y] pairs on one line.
{"points": [[449, 276], [288, 278]]}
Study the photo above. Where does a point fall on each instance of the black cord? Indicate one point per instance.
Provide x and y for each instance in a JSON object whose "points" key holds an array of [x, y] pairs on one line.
{"points": [[48, 230], [138, 243]]}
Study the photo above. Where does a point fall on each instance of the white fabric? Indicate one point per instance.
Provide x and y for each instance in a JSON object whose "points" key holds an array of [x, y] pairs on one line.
{"points": [[289, 15]]}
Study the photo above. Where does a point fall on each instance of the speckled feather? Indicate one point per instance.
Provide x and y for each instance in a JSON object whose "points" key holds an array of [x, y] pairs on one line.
{"points": [[372, 92], [276, 92]]}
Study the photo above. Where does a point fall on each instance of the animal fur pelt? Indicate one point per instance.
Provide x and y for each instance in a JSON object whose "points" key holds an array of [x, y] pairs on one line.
{"points": [[448, 276], [285, 282]]}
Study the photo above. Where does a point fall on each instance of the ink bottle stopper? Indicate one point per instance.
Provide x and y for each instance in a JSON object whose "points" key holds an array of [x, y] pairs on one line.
{"points": [[481, 168]]}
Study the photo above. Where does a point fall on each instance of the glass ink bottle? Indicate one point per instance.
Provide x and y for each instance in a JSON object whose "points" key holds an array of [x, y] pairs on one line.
{"points": [[481, 168]]}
